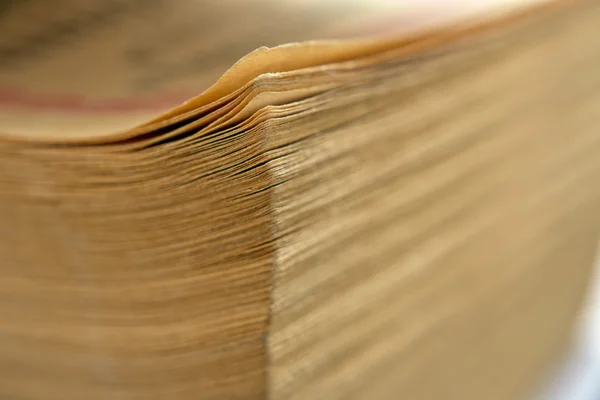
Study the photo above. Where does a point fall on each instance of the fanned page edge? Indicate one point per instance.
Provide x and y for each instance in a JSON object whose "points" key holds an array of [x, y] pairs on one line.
{"points": [[464, 20]]}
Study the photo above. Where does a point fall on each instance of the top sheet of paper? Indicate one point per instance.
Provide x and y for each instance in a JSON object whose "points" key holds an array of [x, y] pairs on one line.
{"points": [[92, 68]]}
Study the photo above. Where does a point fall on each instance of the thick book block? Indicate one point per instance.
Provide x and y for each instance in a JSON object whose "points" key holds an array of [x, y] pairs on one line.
{"points": [[408, 217]]}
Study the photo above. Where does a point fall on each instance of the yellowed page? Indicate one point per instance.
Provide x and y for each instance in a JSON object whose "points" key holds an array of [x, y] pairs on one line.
{"points": [[91, 69]]}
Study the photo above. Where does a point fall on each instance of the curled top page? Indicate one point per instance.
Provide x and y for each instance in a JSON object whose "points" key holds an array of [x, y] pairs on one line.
{"points": [[106, 71]]}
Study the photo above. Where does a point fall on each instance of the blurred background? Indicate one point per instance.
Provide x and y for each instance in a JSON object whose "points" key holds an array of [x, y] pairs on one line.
{"points": [[579, 376]]}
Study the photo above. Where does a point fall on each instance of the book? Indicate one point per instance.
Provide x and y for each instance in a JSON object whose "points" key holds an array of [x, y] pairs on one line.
{"points": [[407, 208]]}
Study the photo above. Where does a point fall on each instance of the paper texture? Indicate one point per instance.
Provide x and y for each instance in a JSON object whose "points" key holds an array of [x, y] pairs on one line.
{"points": [[403, 209]]}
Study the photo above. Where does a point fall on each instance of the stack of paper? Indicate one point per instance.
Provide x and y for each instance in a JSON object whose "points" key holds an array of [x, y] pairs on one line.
{"points": [[412, 217]]}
